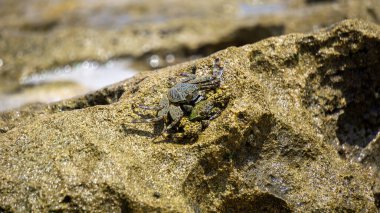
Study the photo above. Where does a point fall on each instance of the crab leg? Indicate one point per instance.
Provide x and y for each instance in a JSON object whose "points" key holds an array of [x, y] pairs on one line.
{"points": [[188, 76], [163, 110], [176, 114], [209, 85], [201, 80], [149, 120], [151, 107], [217, 69]]}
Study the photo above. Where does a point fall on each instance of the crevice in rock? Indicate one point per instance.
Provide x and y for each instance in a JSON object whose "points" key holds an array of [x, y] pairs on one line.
{"points": [[56, 211], [3, 130], [377, 200], [4, 210], [352, 96], [105, 96], [262, 202], [360, 122], [66, 199], [42, 26], [346, 86], [126, 206], [344, 92]]}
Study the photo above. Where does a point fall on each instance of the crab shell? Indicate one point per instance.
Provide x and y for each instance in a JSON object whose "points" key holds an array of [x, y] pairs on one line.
{"points": [[183, 93]]}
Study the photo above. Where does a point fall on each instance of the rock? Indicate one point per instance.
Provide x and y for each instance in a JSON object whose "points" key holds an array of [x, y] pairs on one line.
{"points": [[34, 39], [272, 148]]}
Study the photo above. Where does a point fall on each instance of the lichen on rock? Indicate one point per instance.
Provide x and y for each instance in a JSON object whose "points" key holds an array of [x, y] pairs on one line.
{"points": [[273, 148]]}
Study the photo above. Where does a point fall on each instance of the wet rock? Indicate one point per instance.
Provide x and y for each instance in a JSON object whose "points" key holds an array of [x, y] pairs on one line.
{"points": [[271, 149]]}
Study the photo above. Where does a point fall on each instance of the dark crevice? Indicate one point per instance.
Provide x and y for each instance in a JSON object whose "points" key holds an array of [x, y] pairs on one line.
{"points": [[258, 203], [126, 206], [40, 26], [56, 211], [377, 200], [66, 199], [358, 107], [347, 85], [105, 96], [360, 122], [4, 210]]}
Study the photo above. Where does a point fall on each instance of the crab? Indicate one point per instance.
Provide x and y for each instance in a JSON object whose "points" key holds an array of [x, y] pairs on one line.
{"points": [[180, 98]]}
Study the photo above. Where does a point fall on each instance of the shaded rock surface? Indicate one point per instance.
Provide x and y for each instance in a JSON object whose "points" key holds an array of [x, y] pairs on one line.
{"points": [[272, 149]]}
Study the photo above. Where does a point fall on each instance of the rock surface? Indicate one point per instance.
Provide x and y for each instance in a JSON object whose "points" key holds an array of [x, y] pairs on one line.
{"points": [[41, 37], [272, 149], [41, 34]]}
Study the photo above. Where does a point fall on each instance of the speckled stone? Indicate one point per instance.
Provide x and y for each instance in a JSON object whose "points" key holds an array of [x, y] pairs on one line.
{"points": [[274, 147]]}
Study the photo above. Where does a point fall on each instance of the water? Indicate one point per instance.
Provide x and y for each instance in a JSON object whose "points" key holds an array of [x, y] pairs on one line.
{"points": [[69, 81], [248, 10], [89, 74]]}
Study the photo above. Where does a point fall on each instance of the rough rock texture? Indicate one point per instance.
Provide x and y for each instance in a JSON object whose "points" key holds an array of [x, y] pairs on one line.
{"points": [[41, 34], [272, 149]]}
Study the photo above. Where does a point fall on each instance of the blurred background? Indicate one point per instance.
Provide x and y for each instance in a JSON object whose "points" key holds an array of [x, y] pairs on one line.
{"points": [[56, 49]]}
